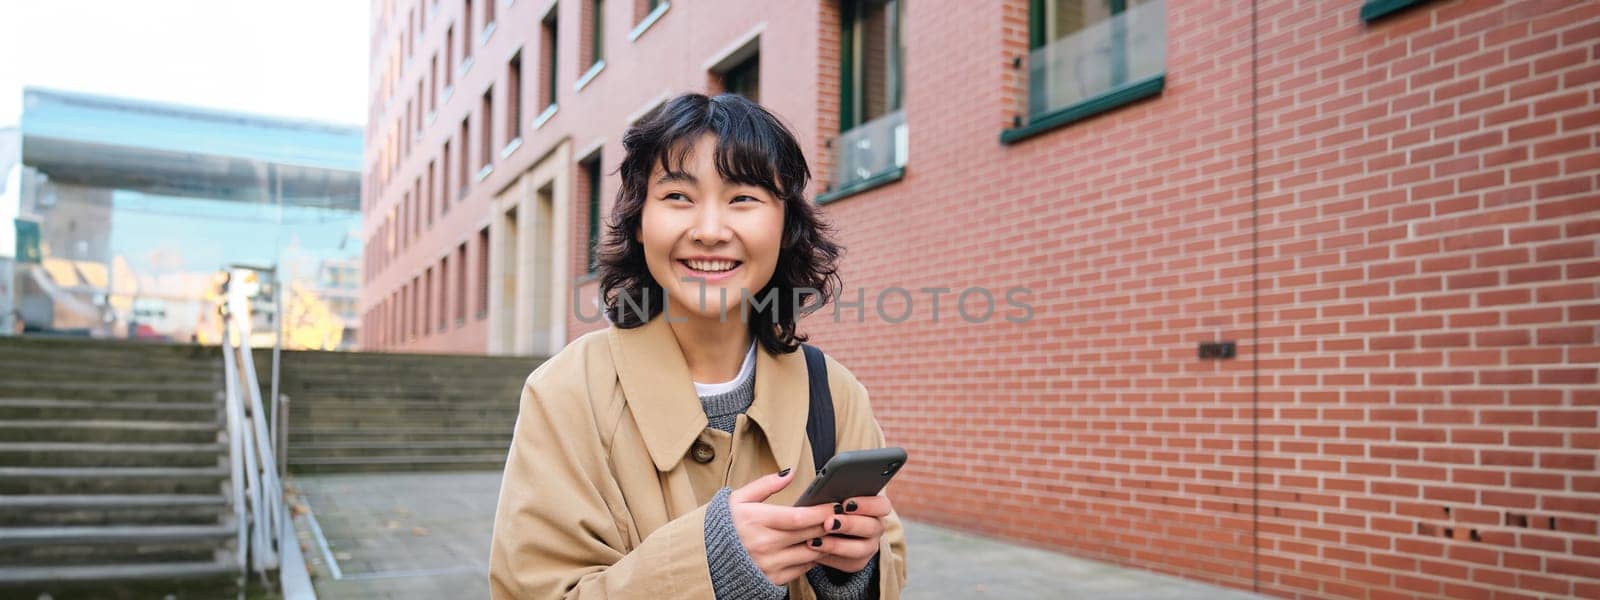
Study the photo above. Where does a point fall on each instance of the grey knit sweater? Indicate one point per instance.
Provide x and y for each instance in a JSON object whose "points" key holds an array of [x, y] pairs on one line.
{"points": [[734, 575]]}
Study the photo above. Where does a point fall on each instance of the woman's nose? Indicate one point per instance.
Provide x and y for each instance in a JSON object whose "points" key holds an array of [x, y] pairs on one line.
{"points": [[710, 227]]}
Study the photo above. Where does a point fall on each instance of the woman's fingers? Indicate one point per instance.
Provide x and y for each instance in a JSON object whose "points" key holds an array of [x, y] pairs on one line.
{"points": [[787, 518], [871, 506], [847, 548], [853, 526]]}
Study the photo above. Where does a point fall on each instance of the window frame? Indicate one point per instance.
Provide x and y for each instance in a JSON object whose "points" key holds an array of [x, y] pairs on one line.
{"points": [[1128, 92]]}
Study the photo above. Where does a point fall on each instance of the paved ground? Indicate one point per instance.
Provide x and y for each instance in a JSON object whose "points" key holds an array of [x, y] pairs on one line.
{"points": [[426, 535]]}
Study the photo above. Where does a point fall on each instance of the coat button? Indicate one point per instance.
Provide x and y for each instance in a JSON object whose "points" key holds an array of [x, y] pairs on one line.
{"points": [[703, 452]]}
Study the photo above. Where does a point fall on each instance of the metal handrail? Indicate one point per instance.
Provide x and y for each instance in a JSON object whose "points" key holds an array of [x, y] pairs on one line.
{"points": [[259, 508]]}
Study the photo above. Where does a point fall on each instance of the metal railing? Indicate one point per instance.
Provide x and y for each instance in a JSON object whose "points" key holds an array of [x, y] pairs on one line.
{"points": [[1124, 48], [869, 150], [259, 509]]}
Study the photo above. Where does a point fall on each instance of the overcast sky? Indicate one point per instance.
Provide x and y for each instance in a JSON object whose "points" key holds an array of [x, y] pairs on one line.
{"points": [[290, 58]]}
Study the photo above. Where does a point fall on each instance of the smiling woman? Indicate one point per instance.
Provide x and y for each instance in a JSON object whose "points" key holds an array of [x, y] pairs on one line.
{"points": [[663, 456]]}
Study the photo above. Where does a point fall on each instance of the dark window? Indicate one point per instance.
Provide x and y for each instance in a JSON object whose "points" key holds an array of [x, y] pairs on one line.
{"points": [[427, 301], [466, 30], [483, 273], [486, 118], [444, 293], [872, 82], [744, 78], [466, 165], [449, 54], [461, 283], [444, 179], [595, 29], [591, 171], [547, 49], [514, 98]]}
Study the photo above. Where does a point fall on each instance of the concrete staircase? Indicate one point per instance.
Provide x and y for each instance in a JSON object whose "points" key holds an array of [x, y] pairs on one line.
{"points": [[113, 471], [354, 412]]}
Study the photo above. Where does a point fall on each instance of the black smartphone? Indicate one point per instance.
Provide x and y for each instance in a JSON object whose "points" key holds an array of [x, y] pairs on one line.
{"points": [[853, 474]]}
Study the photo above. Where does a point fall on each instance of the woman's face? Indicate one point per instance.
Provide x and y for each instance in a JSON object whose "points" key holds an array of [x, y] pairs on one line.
{"points": [[702, 233]]}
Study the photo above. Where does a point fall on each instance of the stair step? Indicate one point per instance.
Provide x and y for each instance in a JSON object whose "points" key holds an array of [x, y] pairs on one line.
{"points": [[112, 509], [487, 462], [109, 431], [109, 500], [181, 570], [90, 454], [58, 409], [112, 480], [113, 534]]}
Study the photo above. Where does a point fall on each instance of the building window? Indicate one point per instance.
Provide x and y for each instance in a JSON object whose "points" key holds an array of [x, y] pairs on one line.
{"points": [[595, 30], [444, 292], [548, 43], [1090, 56], [486, 141], [645, 14], [444, 179], [483, 273], [466, 164], [430, 193], [514, 98], [416, 306], [591, 172], [416, 209], [466, 31], [871, 147], [405, 219], [461, 284], [745, 79], [449, 55], [427, 301], [433, 84]]}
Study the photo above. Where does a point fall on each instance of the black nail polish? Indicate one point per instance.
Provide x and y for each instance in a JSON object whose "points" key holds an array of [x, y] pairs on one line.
{"points": [[784, 473], [836, 524], [816, 542], [850, 506], [838, 509]]}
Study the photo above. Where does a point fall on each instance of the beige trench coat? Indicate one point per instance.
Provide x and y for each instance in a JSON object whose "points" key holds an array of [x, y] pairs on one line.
{"points": [[602, 497]]}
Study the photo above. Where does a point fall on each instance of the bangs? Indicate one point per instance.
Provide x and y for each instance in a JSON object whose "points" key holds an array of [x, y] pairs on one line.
{"points": [[750, 150]]}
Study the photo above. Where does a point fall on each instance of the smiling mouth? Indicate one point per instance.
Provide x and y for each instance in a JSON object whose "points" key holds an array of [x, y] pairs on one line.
{"points": [[711, 270]]}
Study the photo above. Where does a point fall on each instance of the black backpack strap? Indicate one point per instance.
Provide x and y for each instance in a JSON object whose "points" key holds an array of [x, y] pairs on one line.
{"points": [[819, 420]]}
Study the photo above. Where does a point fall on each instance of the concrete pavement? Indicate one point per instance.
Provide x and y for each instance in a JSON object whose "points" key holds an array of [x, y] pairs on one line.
{"points": [[426, 535]]}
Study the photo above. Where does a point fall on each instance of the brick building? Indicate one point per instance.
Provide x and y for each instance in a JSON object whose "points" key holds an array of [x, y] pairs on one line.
{"points": [[1388, 205]]}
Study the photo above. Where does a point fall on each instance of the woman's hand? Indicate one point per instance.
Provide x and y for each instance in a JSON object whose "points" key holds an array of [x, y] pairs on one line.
{"points": [[851, 535], [778, 538]]}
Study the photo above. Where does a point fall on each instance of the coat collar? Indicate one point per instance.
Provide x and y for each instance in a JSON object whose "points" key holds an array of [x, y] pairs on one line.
{"points": [[660, 394]]}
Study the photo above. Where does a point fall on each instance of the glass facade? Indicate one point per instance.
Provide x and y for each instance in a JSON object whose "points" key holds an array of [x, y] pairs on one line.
{"points": [[129, 213]]}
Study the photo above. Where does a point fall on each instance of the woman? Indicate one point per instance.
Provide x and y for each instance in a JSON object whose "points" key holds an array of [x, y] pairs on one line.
{"points": [[661, 458]]}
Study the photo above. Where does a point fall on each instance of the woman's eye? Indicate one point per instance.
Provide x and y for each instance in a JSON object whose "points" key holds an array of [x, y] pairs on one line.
{"points": [[675, 196], [750, 198]]}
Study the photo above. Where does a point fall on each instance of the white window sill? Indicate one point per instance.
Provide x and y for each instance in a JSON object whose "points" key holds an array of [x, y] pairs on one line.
{"points": [[444, 96], [511, 146], [484, 172], [431, 115], [650, 19], [488, 30], [544, 117], [589, 75], [461, 71]]}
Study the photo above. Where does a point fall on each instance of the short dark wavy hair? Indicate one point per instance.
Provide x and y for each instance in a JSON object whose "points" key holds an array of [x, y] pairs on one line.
{"points": [[753, 148]]}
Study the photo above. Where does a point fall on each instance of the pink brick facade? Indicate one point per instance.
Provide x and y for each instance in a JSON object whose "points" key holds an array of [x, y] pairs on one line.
{"points": [[1411, 231]]}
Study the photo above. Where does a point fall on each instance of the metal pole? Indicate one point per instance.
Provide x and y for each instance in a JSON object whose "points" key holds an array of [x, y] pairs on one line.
{"points": [[277, 290]]}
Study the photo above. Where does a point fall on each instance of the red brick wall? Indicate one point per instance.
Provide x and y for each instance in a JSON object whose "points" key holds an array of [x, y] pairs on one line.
{"points": [[1420, 268], [1428, 228]]}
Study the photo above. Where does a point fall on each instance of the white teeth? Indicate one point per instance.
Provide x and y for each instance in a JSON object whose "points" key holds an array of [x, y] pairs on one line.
{"points": [[710, 266]]}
